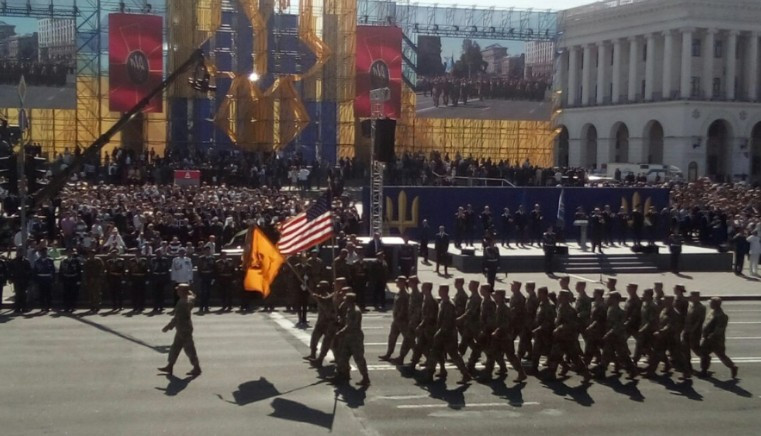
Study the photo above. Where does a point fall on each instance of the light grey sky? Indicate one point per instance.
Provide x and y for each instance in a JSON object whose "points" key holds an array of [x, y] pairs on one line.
{"points": [[522, 4]]}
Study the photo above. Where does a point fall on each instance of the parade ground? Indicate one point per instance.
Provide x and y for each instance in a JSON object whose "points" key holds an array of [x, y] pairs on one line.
{"points": [[90, 374], [486, 109]]}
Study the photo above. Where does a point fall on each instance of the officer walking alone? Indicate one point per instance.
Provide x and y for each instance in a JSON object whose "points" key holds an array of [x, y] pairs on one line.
{"points": [[183, 327]]}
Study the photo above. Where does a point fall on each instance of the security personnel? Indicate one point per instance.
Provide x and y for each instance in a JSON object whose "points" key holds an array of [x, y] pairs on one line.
{"points": [[94, 271], [469, 320], [406, 258], [565, 337], [139, 273], [503, 336], [414, 314], [491, 263], [544, 324], [116, 275], [400, 322], [445, 339], [425, 330], [20, 275], [71, 277], [206, 274], [44, 274], [675, 248], [614, 339], [161, 267], [714, 338], [352, 341], [225, 268], [548, 244]]}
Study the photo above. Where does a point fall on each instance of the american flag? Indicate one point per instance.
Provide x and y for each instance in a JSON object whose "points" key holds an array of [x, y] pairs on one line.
{"points": [[307, 229]]}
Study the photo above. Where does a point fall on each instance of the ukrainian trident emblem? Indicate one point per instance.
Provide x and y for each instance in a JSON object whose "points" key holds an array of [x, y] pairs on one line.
{"points": [[403, 221]]}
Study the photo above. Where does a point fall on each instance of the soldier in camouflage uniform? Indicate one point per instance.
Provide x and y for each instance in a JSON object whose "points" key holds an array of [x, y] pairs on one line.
{"points": [[139, 271], [565, 337], [325, 327], [593, 334], [94, 273], [693, 327], [544, 323], [161, 267], [425, 330], [614, 340], [117, 271], [445, 339], [400, 322], [183, 326], [206, 273], [667, 340], [503, 338], [487, 324], [648, 325], [523, 319], [714, 337], [415, 310], [469, 320], [352, 341], [225, 269]]}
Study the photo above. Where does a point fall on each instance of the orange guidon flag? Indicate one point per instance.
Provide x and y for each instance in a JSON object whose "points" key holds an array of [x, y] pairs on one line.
{"points": [[262, 261]]}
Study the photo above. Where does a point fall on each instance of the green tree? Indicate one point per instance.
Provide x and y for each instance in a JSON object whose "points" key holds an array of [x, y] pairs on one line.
{"points": [[471, 62]]}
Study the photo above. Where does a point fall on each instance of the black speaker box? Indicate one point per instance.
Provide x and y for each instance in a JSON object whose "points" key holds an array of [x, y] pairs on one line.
{"points": [[468, 251], [367, 128], [646, 249], [385, 137], [561, 250]]}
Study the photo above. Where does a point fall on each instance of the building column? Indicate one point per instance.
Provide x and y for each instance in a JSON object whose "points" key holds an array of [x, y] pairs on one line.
{"points": [[650, 67], [617, 79], [752, 73], [709, 44], [633, 58], [586, 75], [602, 64], [731, 64], [558, 81], [685, 82], [668, 63], [573, 76]]}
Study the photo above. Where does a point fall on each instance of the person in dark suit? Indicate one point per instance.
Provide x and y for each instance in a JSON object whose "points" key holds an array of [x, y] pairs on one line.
{"points": [[638, 223], [548, 243], [442, 250], [374, 246], [425, 237], [742, 248]]}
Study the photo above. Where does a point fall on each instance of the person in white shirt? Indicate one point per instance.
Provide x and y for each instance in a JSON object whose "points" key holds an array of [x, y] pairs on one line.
{"points": [[754, 252], [304, 178], [182, 268], [115, 242]]}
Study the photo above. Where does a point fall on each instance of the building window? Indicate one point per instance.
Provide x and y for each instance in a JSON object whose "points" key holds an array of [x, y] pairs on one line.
{"points": [[716, 87], [697, 47], [644, 53], [612, 54], [718, 49], [695, 88]]}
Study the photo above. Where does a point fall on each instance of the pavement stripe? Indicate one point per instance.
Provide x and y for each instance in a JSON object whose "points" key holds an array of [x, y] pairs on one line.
{"points": [[461, 406], [745, 322]]}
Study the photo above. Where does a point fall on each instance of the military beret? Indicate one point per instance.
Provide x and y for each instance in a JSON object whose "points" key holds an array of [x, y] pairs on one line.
{"points": [[612, 280], [615, 294], [443, 287], [500, 292], [695, 294]]}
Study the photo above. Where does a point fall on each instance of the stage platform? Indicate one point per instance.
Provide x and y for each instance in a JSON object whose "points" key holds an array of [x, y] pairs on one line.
{"points": [[618, 259]]}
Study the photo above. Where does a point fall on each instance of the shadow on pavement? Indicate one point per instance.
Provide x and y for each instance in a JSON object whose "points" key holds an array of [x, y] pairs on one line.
{"points": [[163, 349], [257, 390], [176, 385], [578, 394], [730, 386], [683, 389], [513, 395], [455, 398], [295, 411], [629, 389], [353, 397]]}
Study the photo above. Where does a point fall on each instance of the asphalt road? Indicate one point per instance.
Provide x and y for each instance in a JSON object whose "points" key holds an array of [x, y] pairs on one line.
{"points": [[90, 375], [486, 110], [41, 97]]}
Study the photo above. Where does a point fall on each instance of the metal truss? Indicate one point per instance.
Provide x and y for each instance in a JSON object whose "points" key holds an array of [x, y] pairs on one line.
{"points": [[89, 72], [30, 10]]}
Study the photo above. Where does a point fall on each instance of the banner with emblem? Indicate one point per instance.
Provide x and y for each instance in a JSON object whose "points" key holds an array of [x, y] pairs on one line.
{"points": [[379, 65], [135, 60], [262, 262]]}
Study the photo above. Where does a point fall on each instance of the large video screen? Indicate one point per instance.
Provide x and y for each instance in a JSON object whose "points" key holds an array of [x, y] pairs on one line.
{"points": [[484, 79], [43, 52]]}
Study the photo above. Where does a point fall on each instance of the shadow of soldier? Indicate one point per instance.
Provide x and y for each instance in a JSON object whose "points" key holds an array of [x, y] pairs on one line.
{"points": [[730, 386], [257, 390], [455, 398], [353, 397], [513, 395], [176, 385], [578, 394], [629, 389], [295, 411], [683, 388]]}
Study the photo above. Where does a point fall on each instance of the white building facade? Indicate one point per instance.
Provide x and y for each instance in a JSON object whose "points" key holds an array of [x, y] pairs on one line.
{"points": [[662, 81], [57, 40], [540, 57]]}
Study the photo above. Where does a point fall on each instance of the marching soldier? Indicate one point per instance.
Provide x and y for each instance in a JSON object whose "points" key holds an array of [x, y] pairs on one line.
{"points": [[44, 273], [614, 340], [161, 266], [503, 336], [71, 277], [400, 323], [94, 271], [543, 327], [425, 330], [491, 263], [523, 318], [693, 327], [632, 309], [487, 323], [352, 341], [658, 296], [20, 271], [714, 337], [116, 272], [647, 327], [139, 272], [445, 339], [460, 297], [407, 258], [593, 334], [206, 273], [325, 326], [225, 268], [681, 303], [565, 337], [667, 339], [316, 269], [414, 314], [183, 338], [469, 320], [341, 265]]}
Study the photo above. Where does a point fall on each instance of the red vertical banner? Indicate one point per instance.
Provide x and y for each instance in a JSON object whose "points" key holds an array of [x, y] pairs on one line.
{"points": [[136, 60], [379, 65]]}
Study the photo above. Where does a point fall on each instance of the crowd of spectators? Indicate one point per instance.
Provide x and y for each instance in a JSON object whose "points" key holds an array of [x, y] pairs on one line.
{"points": [[34, 73]]}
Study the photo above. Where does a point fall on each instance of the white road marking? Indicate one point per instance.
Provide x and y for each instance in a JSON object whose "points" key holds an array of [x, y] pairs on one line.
{"points": [[463, 406], [299, 334], [582, 278], [745, 322], [403, 397]]}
